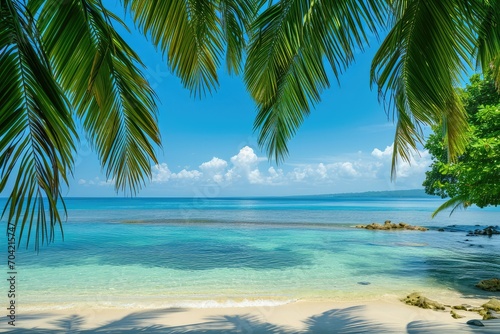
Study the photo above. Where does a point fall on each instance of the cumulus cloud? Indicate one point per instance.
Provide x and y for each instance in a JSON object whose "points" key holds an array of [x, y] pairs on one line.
{"points": [[187, 174], [214, 169], [245, 159], [161, 173], [418, 164], [214, 165], [383, 154]]}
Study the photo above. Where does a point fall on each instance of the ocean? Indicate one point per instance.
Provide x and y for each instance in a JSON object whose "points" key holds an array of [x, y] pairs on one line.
{"points": [[216, 252]]}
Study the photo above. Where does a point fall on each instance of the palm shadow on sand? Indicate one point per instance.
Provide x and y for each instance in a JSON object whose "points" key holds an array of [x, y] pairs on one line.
{"points": [[347, 320]]}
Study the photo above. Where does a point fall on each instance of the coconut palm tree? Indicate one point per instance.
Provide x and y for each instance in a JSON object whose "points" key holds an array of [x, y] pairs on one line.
{"points": [[62, 61]]}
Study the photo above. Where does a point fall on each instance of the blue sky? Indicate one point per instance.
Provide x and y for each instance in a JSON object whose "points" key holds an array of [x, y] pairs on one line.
{"points": [[209, 147]]}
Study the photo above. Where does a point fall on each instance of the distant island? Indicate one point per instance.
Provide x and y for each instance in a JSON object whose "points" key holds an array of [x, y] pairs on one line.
{"points": [[410, 193]]}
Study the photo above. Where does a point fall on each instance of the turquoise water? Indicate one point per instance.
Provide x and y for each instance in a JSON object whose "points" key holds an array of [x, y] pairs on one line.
{"points": [[146, 252]]}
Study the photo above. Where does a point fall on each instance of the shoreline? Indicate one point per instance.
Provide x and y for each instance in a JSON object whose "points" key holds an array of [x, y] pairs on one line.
{"points": [[387, 315]]}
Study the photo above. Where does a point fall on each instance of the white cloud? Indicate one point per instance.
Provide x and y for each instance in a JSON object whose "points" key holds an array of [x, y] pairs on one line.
{"points": [[187, 174], [245, 159], [418, 164], [383, 154], [214, 170], [255, 177], [359, 172], [215, 164], [161, 173]]}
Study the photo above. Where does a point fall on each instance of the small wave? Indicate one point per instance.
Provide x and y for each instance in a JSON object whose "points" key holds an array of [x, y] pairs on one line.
{"points": [[197, 304], [232, 303]]}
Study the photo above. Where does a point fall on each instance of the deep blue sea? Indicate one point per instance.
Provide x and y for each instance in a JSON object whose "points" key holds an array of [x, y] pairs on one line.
{"points": [[161, 252]]}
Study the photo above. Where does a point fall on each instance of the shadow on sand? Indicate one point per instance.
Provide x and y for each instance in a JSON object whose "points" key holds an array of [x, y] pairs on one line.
{"points": [[347, 320]]}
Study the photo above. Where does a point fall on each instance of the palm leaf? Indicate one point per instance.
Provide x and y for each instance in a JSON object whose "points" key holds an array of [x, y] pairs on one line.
{"points": [[235, 18], [488, 44], [37, 130], [193, 34], [101, 74], [456, 202], [187, 32], [285, 71], [417, 67]]}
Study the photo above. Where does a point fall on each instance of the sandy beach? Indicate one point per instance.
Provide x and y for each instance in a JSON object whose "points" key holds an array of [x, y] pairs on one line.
{"points": [[380, 316]]}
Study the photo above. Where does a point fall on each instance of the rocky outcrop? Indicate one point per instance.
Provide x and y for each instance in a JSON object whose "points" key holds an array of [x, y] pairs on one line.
{"points": [[391, 226], [492, 284], [418, 300], [487, 311], [455, 315], [493, 305]]}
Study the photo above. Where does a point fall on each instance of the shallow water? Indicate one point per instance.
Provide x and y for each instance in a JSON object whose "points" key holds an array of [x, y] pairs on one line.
{"points": [[146, 252]]}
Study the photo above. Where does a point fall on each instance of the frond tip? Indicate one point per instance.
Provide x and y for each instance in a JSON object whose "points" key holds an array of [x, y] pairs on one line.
{"points": [[456, 202]]}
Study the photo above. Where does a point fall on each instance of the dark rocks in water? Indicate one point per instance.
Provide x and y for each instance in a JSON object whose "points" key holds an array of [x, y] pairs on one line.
{"points": [[440, 229], [492, 284], [489, 231], [475, 322], [391, 226], [364, 283], [418, 300]]}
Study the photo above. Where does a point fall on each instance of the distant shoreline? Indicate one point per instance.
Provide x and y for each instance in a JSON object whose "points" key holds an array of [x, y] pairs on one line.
{"points": [[407, 194]]}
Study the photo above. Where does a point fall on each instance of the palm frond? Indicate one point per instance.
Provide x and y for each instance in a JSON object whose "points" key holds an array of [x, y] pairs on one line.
{"points": [[110, 94], [456, 202], [195, 34], [418, 67], [488, 44], [285, 71], [36, 127], [235, 18], [187, 31]]}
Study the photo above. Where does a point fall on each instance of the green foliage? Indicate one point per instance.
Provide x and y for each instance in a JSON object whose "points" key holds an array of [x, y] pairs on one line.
{"points": [[474, 177]]}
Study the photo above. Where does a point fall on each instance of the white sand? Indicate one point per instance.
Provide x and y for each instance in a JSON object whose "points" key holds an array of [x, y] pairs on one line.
{"points": [[382, 316]]}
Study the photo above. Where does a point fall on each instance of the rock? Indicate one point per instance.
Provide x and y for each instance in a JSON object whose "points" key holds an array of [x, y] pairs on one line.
{"points": [[492, 284], [493, 315], [488, 314], [364, 283], [455, 315], [475, 309], [418, 300], [475, 323], [493, 304], [460, 307], [391, 226], [440, 229]]}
